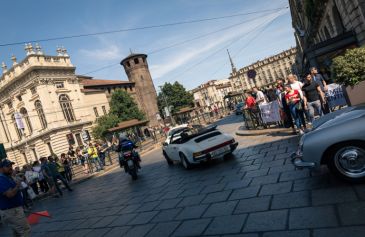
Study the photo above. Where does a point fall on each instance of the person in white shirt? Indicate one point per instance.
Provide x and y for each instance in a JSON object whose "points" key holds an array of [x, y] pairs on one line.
{"points": [[294, 83], [260, 97]]}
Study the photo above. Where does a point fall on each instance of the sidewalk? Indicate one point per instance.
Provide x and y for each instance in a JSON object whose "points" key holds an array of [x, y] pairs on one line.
{"points": [[81, 177]]}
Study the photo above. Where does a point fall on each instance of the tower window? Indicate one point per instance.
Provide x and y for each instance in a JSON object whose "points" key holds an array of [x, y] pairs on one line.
{"points": [[128, 64], [136, 61]]}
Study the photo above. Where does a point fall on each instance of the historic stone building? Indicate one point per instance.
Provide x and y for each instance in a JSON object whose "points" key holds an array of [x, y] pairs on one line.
{"points": [[211, 94], [324, 29], [267, 71], [136, 67], [45, 106]]}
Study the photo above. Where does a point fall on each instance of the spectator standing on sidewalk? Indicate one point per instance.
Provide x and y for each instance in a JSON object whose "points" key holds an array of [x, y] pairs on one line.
{"points": [[294, 101], [260, 96], [94, 157], [41, 180], [72, 155], [11, 201], [31, 178], [66, 163], [313, 96], [322, 83]]}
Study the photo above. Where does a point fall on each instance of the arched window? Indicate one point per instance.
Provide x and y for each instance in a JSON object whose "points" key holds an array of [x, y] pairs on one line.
{"points": [[26, 118], [67, 109], [40, 112], [16, 127]]}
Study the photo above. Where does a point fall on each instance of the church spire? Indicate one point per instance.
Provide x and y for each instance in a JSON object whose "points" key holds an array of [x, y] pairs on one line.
{"points": [[234, 70]]}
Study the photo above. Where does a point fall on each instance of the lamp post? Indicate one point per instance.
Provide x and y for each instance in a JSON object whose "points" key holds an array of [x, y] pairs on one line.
{"points": [[167, 106]]}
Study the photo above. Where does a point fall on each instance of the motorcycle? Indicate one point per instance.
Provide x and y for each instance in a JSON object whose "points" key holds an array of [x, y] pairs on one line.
{"points": [[131, 163]]}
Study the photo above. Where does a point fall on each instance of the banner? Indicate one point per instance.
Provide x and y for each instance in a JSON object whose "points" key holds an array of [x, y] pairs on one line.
{"points": [[335, 96], [270, 112], [19, 120]]}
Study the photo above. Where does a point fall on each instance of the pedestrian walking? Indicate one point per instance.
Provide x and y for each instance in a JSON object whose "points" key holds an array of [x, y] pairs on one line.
{"points": [[313, 96], [31, 178], [54, 173], [11, 201], [322, 83], [48, 176]]}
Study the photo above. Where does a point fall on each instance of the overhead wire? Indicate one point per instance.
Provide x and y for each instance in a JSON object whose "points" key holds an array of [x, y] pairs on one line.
{"points": [[179, 43], [220, 49], [140, 27], [245, 46]]}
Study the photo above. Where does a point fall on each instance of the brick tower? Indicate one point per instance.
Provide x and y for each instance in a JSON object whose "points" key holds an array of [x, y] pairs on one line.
{"points": [[136, 68]]}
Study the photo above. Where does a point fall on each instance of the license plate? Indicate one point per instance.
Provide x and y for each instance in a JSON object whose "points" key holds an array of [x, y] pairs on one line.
{"points": [[220, 151], [130, 163]]}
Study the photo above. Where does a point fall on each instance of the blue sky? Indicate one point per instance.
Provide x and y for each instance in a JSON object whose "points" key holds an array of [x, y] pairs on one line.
{"points": [[38, 19]]}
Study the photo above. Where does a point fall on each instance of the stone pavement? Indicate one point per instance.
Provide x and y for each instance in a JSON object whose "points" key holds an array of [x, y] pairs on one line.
{"points": [[257, 193]]}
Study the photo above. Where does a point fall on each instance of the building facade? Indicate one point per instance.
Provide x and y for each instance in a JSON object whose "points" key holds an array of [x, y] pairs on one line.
{"points": [[44, 108], [211, 94], [324, 29], [267, 71]]}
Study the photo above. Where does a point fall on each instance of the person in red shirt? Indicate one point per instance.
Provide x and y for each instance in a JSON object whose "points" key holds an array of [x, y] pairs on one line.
{"points": [[294, 101], [250, 101]]}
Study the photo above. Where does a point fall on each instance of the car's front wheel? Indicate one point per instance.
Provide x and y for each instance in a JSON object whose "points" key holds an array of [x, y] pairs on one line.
{"points": [[347, 161], [169, 161], [184, 161]]}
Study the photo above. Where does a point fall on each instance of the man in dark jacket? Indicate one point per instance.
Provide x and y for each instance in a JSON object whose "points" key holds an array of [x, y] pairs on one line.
{"points": [[125, 144]]}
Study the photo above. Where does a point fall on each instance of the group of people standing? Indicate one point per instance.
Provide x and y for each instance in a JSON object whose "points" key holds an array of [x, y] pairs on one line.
{"points": [[299, 101]]}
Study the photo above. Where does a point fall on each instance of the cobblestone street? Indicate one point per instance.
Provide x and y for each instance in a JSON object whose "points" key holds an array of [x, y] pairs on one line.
{"points": [[256, 193]]}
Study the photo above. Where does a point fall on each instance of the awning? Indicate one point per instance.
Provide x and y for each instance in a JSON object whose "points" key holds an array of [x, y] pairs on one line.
{"points": [[128, 124]]}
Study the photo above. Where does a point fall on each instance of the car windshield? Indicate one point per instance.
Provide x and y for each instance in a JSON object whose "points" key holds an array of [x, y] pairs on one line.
{"points": [[175, 130]]}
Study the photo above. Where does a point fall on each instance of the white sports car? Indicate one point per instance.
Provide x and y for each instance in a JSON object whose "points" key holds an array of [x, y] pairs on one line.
{"points": [[190, 146]]}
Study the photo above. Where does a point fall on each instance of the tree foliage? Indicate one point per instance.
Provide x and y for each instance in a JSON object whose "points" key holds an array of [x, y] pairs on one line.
{"points": [[349, 69], [176, 95], [122, 108]]}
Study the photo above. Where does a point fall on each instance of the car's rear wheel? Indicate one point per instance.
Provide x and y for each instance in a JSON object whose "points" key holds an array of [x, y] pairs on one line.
{"points": [[347, 161], [228, 156], [169, 161], [184, 161]]}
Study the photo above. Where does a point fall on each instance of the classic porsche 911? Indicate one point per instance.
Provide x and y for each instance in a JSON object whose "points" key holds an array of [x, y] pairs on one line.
{"points": [[191, 146], [338, 141]]}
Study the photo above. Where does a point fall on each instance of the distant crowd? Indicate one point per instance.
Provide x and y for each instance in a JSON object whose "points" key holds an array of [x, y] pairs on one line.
{"points": [[44, 176], [299, 101]]}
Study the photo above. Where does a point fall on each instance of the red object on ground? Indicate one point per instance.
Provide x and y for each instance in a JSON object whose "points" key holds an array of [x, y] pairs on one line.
{"points": [[33, 218]]}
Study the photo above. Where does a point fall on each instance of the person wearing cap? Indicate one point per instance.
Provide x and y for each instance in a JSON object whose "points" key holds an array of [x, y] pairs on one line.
{"points": [[11, 201]]}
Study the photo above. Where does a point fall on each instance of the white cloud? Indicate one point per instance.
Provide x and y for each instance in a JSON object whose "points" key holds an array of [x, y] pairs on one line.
{"points": [[183, 56], [110, 52]]}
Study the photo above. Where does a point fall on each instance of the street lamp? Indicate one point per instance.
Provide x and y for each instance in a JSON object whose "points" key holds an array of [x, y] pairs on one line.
{"points": [[168, 107]]}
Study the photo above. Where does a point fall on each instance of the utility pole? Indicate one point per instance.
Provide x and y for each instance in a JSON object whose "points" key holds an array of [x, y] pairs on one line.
{"points": [[168, 106]]}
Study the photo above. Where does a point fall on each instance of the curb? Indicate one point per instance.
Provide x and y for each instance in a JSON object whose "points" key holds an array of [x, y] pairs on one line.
{"points": [[261, 132]]}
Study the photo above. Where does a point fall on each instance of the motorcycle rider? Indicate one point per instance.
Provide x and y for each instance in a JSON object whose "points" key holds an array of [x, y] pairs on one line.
{"points": [[125, 144]]}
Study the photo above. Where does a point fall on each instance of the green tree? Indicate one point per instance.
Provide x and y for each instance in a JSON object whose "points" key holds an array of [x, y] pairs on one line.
{"points": [[122, 108], [349, 69], [104, 123], [176, 95]]}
